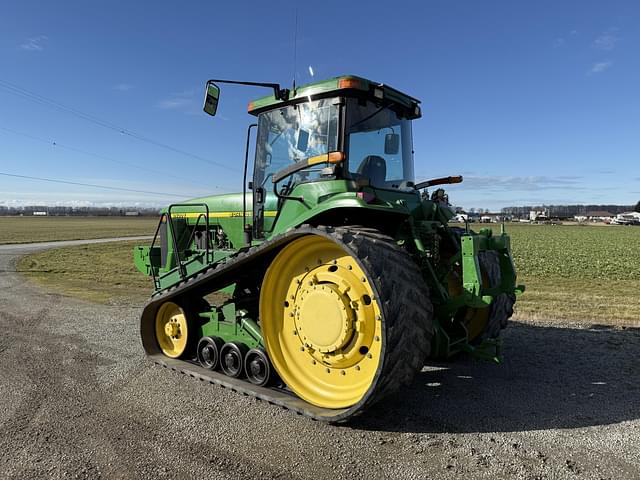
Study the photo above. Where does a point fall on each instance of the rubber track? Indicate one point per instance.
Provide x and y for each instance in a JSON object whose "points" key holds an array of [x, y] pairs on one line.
{"points": [[399, 289]]}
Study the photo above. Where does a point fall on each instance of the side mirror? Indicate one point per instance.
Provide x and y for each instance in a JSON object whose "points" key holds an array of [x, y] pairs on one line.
{"points": [[303, 140], [391, 143], [211, 99]]}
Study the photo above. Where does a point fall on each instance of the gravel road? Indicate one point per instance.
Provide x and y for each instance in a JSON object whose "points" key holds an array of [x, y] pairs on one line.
{"points": [[79, 400]]}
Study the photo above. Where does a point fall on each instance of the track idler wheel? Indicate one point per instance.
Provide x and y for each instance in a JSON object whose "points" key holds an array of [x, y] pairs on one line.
{"points": [[209, 352], [257, 367], [232, 359], [174, 330]]}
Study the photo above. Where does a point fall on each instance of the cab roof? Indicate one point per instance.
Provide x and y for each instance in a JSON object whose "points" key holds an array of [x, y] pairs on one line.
{"points": [[354, 85]]}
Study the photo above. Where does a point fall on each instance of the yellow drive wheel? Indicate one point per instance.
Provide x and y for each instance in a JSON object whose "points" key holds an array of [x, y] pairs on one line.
{"points": [[172, 330], [321, 322]]}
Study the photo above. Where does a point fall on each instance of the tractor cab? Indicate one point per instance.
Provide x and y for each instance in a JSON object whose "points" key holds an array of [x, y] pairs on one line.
{"points": [[346, 128]]}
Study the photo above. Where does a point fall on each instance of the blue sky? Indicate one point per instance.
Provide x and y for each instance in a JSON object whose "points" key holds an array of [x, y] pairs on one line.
{"points": [[533, 102]]}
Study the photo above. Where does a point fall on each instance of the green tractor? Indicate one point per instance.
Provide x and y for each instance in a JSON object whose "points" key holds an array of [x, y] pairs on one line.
{"points": [[331, 281]]}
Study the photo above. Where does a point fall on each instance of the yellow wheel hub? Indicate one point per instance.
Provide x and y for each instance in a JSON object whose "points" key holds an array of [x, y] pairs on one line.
{"points": [[171, 330], [321, 322], [324, 318]]}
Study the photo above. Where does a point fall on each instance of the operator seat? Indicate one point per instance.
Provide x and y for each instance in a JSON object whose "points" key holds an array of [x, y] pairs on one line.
{"points": [[374, 168]]}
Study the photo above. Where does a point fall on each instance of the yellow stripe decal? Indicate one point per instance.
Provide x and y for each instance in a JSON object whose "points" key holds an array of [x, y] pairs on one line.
{"points": [[267, 213], [318, 159]]}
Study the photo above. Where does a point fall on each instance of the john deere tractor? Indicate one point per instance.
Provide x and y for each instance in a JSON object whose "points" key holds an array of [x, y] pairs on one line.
{"points": [[334, 276]]}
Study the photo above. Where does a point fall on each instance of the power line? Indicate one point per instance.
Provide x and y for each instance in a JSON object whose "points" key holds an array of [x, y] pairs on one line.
{"points": [[21, 92], [103, 157], [55, 180]]}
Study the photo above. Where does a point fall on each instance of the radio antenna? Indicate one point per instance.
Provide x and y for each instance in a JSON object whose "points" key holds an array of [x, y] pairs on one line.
{"points": [[295, 51]]}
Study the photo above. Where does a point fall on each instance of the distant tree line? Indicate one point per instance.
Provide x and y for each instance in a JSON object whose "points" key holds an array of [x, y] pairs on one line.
{"points": [[77, 211], [568, 211]]}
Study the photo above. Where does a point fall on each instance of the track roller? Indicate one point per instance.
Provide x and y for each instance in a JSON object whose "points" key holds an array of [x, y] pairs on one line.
{"points": [[257, 367], [209, 352], [232, 359]]}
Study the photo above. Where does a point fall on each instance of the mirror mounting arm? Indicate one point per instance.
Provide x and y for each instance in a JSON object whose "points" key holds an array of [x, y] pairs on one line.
{"points": [[279, 93], [438, 181]]}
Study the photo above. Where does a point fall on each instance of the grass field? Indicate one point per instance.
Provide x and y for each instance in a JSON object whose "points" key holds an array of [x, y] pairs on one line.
{"points": [[44, 229], [102, 273], [572, 273]]}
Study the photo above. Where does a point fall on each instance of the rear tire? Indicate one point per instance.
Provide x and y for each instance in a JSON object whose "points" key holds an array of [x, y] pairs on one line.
{"points": [[484, 323], [501, 308]]}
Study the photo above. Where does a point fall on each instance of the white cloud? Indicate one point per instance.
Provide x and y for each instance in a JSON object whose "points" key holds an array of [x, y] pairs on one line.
{"points": [[35, 44], [607, 40], [184, 101], [559, 42], [524, 183], [123, 87], [600, 67], [174, 103]]}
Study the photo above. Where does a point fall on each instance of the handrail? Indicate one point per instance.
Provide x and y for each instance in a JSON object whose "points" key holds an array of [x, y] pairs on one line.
{"points": [[153, 243], [180, 265]]}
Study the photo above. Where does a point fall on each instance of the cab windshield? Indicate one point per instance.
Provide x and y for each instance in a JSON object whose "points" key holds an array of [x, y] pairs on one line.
{"points": [[379, 146], [295, 133]]}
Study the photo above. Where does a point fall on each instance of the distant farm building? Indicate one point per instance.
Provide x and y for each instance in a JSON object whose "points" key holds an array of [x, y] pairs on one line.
{"points": [[539, 216], [627, 218], [599, 216]]}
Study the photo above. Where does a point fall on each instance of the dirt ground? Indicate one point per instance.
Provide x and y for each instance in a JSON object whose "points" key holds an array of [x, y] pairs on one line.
{"points": [[79, 400]]}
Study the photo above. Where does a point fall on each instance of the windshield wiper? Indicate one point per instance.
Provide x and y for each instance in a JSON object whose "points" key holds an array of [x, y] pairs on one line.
{"points": [[369, 117]]}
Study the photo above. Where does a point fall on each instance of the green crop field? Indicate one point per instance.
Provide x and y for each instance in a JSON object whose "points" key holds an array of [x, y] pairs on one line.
{"points": [[44, 229], [580, 273], [587, 274]]}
